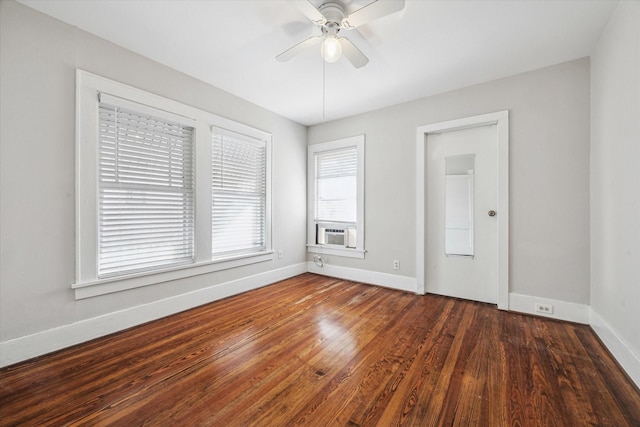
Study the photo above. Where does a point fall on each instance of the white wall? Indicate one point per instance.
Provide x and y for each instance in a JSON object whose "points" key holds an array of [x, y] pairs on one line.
{"points": [[615, 186], [549, 178], [39, 56]]}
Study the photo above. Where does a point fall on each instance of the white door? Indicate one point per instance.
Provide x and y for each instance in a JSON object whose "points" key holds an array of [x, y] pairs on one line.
{"points": [[461, 247]]}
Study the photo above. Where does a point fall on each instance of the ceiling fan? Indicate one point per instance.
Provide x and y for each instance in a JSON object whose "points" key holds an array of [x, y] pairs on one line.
{"points": [[331, 18]]}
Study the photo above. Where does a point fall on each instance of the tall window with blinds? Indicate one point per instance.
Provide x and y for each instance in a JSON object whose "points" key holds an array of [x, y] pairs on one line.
{"points": [[146, 192], [239, 194]]}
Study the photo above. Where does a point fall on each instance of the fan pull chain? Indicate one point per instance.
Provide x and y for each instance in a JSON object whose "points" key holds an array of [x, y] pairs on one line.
{"points": [[324, 89]]}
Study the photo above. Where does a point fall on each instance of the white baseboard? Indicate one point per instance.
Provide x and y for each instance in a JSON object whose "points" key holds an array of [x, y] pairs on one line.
{"points": [[392, 281], [629, 361], [562, 310], [23, 348]]}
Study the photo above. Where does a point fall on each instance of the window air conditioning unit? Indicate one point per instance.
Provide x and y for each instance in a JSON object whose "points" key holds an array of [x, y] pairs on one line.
{"points": [[338, 235]]}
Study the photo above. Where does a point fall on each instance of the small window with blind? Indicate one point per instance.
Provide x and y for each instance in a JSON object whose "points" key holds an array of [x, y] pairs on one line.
{"points": [[336, 190], [164, 191]]}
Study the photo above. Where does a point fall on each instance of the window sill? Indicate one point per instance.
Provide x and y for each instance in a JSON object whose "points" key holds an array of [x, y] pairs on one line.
{"points": [[343, 252], [122, 283]]}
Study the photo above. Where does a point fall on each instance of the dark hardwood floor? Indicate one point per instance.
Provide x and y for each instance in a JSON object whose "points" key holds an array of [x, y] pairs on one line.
{"points": [[319, 351]]}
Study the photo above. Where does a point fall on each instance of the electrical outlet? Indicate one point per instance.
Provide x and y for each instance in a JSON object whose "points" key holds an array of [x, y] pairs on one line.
{"points": [[396, 265], [280, 254], [544, 308]]}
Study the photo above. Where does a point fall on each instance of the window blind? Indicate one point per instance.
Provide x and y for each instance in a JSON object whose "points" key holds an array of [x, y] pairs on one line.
{"points": [[336, 185], [238, 194], [146, 202]]}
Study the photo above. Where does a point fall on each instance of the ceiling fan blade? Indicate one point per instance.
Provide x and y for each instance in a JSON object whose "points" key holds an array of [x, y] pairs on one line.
{"points": [[352, 53], [297, 48], [370, 12], [310, 11]]}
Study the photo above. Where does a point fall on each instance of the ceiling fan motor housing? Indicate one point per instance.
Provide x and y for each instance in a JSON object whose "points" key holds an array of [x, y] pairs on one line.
{"points": [[333, 13]]}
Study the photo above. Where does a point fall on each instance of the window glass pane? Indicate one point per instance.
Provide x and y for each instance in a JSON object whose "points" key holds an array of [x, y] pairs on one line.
{"points": [[337, 198]]}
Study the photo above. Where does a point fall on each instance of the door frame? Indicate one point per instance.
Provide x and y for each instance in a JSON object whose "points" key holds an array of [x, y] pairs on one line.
{"points": [[501, 120]]}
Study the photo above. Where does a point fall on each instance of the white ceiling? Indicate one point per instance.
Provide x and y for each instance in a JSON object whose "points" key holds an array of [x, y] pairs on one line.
{"points": [[430, 47]]}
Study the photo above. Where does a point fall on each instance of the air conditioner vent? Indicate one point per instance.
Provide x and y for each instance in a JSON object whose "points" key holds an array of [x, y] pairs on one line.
{"points": [[337, 235]]}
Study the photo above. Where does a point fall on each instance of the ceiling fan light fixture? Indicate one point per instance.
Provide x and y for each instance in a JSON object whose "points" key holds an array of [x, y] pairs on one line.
{"points": [[330, 16], [331, 49]]}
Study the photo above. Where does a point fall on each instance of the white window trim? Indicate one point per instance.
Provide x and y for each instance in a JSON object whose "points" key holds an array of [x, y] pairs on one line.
{"points": [[87, 284], [359, 251]]}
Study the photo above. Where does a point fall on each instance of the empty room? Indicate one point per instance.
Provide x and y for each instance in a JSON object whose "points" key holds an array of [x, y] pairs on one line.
{"points": [[319, 212]]}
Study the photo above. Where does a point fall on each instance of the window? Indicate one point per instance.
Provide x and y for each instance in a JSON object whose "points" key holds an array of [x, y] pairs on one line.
{"points": [[239, 194], [336, 195], [145, 202], [336, 185], [164, 190]]}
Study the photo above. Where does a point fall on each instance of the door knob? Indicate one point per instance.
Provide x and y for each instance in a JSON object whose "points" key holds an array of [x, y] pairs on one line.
{"points": [[492, 213]]}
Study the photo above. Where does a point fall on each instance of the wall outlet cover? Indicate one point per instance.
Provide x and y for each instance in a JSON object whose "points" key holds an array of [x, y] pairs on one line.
{"points": [[544, 308]]}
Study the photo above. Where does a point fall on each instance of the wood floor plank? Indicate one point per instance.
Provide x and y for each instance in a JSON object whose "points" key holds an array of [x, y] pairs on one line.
{"points": [[346, 389], [417, 394], [314, 351]]}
